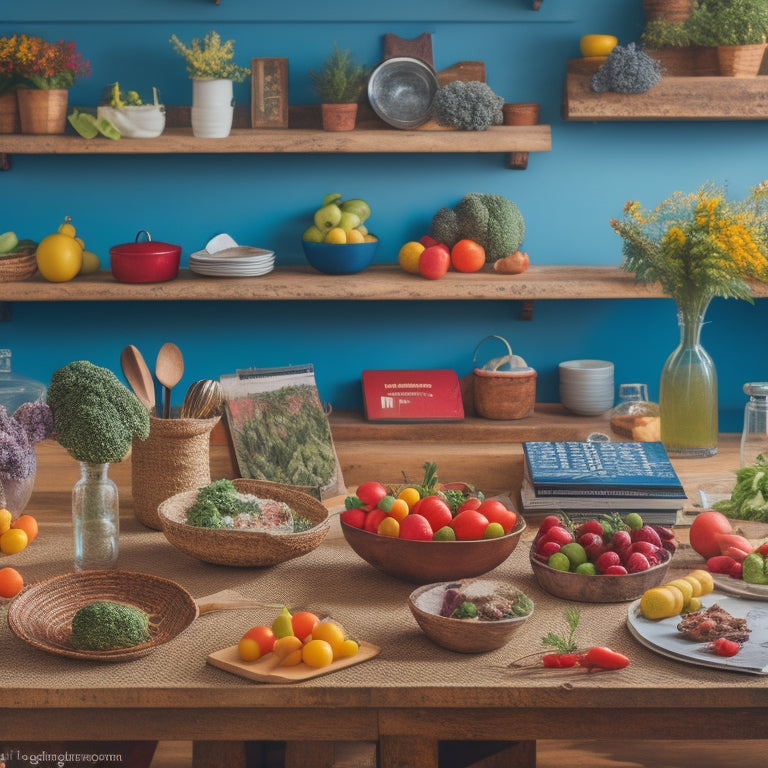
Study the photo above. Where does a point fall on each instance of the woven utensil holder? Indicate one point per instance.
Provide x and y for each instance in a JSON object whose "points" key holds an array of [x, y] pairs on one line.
{"points": [[18, 267], [498, 394], [174, 458]]}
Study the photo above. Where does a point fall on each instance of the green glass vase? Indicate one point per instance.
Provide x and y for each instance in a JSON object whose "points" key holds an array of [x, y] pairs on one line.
{"points": [[688, 390]]}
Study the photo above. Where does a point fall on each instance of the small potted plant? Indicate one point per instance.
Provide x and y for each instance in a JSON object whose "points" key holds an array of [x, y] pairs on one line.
{"points": [[669, 42], [211, 67], [737, 28], [339, 85], [130, 115]]}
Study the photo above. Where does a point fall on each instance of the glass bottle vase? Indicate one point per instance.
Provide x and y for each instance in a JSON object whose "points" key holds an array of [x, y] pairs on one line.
{"points": [[688, 391], [95, 517]]}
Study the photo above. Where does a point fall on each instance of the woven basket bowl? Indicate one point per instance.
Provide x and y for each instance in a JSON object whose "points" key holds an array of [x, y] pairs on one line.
{"points": [[42, 614], [20, 266], [462, 635], [240, 547], [598, 588], [425, 562]]}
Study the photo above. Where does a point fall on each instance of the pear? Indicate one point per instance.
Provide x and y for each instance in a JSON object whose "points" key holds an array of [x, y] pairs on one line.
{"points": [[358, 207], [349, 220], [334, 197], [313, 235], [327, 217]]}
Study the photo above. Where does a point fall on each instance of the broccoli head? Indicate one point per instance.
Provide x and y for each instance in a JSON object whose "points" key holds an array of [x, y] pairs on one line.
{"points": [[489, 219], [95, 416], [105, 625], [468, 106]]}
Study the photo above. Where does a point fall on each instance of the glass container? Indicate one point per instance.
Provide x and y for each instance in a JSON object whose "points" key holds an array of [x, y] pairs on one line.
{"points": [[754, 438], [15, 389], [635, 417], [95, 517]]}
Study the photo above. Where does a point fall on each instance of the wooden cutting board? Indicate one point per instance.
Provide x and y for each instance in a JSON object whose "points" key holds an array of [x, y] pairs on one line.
{"points": [[267, 670]]}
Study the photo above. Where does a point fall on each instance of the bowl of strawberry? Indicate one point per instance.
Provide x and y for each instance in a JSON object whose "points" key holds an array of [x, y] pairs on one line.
{"points": [[604, 559], [429, 536]]}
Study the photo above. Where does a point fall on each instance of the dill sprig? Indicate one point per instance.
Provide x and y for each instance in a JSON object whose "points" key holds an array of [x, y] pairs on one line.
{"points": [[564, 643]]}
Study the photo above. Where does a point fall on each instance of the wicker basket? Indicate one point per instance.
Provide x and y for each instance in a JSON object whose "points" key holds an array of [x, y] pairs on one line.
{"points": [[18, 266], [242, 547], [503, 394], [42, 614]]}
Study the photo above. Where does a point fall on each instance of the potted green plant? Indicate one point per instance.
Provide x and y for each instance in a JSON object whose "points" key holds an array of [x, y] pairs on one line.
{"points": [[212, 70], [737, 28], [669, 42], [339, 85]]}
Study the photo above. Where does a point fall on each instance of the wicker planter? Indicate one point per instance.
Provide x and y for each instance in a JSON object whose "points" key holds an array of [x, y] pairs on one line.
{"points": [[675, 62], [18, 266], [740, 60], [9, 113], [705, 62], [667, 10], [43, 111]]}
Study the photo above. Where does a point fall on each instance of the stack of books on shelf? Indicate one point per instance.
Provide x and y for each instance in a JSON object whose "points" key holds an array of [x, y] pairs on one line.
{"points": [[579, 478]]}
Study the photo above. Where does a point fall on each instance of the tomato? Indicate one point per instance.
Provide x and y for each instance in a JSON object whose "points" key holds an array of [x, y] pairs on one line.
{"points": [[471, 503], [354, 517], [303, 623], [11, 582], [704, 529], [372, 520], [434, 262], [371, 493], [435, 510], [467, 256], [263, 636], [469, 525], [59, 257], [416, 527], [496, 512]]}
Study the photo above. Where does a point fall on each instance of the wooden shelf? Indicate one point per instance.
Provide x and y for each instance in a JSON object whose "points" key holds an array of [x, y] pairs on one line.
{"points": [[674, 98], [502, 139]]}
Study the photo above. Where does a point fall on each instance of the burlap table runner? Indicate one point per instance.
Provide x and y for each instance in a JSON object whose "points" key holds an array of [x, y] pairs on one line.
{"points": [[332, 580]]}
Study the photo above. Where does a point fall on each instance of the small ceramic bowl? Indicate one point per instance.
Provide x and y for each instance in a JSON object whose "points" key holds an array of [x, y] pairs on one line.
{"points": [[424, 562], [340, 258], [464, 635]]}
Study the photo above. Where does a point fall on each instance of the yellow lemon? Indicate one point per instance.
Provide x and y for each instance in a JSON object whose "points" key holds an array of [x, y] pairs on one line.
{"points": [[659, 603], [408, 257], [67, 228], [91, 263], [5, 520], [705, 579], [13, 541], [59, 257], [410, 496], [684, 586], [679, 596], [696, 584], [349, 648], [353, 236], [336, 235]]}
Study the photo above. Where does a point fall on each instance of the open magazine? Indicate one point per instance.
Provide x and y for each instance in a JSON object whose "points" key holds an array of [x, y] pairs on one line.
{"points": [[280, 430]]}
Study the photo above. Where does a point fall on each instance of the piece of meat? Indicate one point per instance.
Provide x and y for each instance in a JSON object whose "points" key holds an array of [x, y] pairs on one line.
{"points": [[708, 624]]}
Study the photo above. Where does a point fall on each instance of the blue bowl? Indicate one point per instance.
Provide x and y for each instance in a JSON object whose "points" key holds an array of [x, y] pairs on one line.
{"points": [[340, 259]]}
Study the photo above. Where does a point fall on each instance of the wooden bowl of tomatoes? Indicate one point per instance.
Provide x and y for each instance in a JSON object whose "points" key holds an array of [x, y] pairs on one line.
{"points": [[427, 558]]}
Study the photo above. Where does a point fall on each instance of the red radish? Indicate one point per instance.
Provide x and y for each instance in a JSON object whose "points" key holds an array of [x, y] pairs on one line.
{"points": [[589, 526], [620, 540], [637, 562], [643, 547], [607, 560], [704, 529], [616, 570], [559, 534], [547, 549], [550, 521], [646, 533]]}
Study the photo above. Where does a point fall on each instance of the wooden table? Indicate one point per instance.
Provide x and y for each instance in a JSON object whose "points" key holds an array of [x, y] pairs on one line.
{"points": [[409, 698]]}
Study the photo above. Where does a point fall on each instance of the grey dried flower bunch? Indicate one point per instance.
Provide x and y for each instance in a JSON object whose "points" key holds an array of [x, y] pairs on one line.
{"points": [[627, 69]]}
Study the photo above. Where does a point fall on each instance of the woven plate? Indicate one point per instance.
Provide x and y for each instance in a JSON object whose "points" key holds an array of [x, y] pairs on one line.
{"points": [[42, 614], [241, 547], [18, 266]]}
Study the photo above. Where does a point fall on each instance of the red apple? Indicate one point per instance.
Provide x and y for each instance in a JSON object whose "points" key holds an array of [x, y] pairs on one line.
{"points": [[434, 261]]}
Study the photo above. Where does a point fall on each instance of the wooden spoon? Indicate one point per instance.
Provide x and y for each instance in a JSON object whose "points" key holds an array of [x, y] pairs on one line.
{"points": [[169, 368], [138, 375]]}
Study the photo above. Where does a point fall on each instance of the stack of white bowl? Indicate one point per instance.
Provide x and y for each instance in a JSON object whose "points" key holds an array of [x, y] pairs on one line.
{"points": [[586, 386]]}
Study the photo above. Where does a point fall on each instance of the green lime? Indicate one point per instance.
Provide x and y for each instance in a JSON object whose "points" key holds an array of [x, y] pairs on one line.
{"points": [[385, 503], [575, 553], [586, 568], [634, 521], [754, 569], [559, 562], [493, 531], [446, 533]]}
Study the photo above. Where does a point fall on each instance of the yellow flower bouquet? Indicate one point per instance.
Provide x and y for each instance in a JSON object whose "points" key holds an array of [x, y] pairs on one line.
{"points": [[210, 58]]}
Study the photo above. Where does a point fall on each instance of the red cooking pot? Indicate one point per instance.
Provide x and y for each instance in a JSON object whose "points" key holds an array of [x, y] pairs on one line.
{"points": [[144, 262]]}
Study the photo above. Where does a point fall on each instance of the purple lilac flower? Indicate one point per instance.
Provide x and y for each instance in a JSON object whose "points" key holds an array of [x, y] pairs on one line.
{"points": [[17, 456], [36, 419]]}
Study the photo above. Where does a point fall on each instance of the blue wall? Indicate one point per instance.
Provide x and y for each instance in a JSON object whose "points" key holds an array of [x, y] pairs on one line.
{"points": [[567, 197]]}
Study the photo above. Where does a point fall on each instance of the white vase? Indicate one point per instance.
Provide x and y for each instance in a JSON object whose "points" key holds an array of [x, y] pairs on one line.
{"points": [[212, 108]]}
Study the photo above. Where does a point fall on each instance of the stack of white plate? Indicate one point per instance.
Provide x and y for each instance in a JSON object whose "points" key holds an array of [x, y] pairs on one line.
{"points": [[238, 261], [586, 386]]}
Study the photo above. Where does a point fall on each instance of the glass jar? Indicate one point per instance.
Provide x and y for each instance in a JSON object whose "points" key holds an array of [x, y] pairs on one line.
{"points": [[754, 438], [15, 389], [95, 518], [635, 417]]}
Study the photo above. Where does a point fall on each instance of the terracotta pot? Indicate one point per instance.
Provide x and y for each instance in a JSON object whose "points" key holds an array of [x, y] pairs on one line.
{"points": [[520, 114], [339, 117], [43, 111], [668, 10], [9, 113], [740, 60]]}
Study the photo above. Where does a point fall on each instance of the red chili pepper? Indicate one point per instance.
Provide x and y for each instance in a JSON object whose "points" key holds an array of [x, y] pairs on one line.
{"points": [[602, 658], [724, 647]]}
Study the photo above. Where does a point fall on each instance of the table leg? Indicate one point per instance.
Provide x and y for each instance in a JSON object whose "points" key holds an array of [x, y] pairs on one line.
{"points": [[417, 752], [300, 754], [218, 754], [407, 752]]}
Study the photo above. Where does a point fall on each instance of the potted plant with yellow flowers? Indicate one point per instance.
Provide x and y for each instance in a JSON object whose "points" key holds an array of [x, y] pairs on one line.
{"points": [[211, 67], [697, 246], [46, 71]]}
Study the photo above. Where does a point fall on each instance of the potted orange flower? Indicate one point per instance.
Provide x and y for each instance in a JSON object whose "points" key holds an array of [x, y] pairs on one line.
{"points": [[45, 72]]}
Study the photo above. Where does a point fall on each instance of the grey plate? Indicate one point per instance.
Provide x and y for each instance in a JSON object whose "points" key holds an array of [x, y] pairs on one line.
{"points": [[400, 91]]}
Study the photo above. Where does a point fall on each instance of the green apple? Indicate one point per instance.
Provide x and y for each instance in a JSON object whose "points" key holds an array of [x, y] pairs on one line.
{"points": [[349, 220], [313, 235], [358, 207], [327, 217], [334, 197]]}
